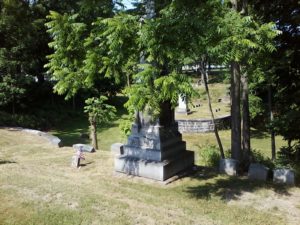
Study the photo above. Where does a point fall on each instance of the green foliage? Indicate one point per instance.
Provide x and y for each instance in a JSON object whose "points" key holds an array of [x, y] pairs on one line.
{"points": [[256, 106], [126, 124], [244, 38], [289, 156], [65, 64], [10, 90], [209, 155], [258, 157], [113, 48], [98, 111]]}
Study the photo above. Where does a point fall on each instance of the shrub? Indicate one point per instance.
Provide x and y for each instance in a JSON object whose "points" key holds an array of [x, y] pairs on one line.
{"points": [[258, 157], [289, 157], [209, 155]]}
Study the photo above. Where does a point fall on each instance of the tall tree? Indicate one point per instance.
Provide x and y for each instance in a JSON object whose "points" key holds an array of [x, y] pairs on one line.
{"points": [[285, 79]]}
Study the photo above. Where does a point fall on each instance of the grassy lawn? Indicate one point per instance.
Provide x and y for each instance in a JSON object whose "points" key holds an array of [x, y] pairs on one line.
{"points": [[38, 186], [70, 132], [260, 141], [217, 91]]}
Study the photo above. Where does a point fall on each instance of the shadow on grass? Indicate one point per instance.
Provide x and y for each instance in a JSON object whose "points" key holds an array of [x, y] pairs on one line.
{"points": [[228, 187], [6, 162], [74, 130], [85, 164], [259, 134]]}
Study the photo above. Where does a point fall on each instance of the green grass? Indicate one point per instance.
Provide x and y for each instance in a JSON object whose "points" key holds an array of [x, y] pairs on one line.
{"points": [[260, 141], [217, 91], [38, 186], [70, 132]]}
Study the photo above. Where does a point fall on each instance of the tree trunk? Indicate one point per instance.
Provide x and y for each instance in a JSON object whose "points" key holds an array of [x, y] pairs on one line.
{"points": [[94, 134], [128, 80], [213, 118], [73, 103], [235, 112], [246, 118], [273, 143], [13, 105]]}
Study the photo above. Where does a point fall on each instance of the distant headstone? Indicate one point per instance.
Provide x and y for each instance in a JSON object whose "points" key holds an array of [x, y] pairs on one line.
{"points": [[182, 104], [84, 148], [75, 161], [228, 166], [284, 176], [258, 172], [51, 138], [117, 148]]}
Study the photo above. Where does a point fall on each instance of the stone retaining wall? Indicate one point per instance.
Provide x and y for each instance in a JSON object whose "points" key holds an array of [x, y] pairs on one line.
{"points": [[203, 125]]}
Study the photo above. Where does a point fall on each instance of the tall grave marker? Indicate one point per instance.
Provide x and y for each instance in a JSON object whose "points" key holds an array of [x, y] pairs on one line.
{"points": [[154, 149]]}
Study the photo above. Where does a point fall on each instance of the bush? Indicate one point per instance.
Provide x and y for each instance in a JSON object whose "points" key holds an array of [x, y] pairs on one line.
{"points": [[289, 157], [258, 157], [209, 155], [125, 127]]}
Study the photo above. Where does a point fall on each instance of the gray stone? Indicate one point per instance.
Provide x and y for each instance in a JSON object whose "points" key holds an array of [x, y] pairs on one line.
{"points": [[203, 125], [117, 149], [75, 161], [157, 170], [258, 172], [84, 147], [228, 166], [284, 176], [51, 138], [182, 104], [154, 152]]}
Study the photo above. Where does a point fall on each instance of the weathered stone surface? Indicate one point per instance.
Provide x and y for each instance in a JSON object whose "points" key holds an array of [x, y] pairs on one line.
{"points": [[203, 125], [154, 152], [75, 161], [182, 105], [228, 166], [51, 138], [117, 149], [284, 176], [157, 170], [84, 147], [258, 172]]}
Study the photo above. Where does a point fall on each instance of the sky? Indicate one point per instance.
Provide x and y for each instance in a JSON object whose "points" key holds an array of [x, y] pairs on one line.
{"points": [[128, 4]]}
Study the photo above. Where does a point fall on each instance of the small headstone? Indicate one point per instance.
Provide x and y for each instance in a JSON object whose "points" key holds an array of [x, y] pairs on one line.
{"points": [[284, 176], [117, 149], [258, 172], [53, 140], [183, 104], [77, 157], [84, 148], [75, 161], [228, 166]]}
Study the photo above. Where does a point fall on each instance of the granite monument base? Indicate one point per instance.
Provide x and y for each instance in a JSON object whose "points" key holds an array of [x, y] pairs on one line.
{"points": [[154, 152], [157, 170]]}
